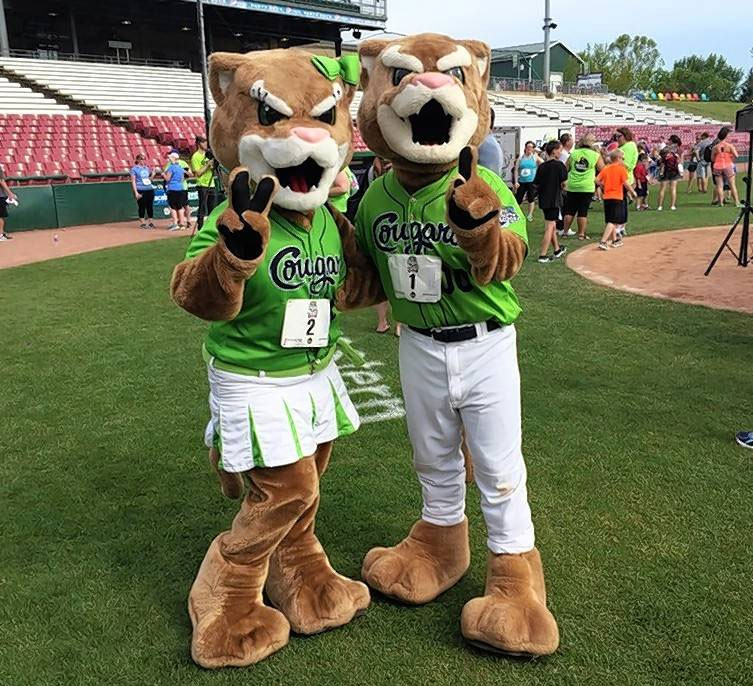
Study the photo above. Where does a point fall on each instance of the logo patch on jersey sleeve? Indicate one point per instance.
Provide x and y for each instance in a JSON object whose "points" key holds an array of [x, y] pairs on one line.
{"points": [[507, 216]]}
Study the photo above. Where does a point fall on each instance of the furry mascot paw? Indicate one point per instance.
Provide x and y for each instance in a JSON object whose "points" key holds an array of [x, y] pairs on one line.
{"points": [[511, 617]]}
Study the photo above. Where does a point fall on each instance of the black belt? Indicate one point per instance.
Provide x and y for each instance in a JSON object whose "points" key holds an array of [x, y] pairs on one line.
{"points": [[456, 334]]}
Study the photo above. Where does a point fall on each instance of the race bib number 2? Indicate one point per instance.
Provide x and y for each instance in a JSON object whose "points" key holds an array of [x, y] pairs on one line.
{"points": [[306, 324], [416, 277]]}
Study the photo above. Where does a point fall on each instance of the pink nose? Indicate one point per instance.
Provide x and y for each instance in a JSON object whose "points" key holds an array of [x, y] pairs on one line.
{"points": [[311, 134], [433, 79]]}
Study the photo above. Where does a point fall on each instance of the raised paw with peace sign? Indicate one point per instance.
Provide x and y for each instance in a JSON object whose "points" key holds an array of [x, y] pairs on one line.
{"points": [[244, 225], [471, 201]]}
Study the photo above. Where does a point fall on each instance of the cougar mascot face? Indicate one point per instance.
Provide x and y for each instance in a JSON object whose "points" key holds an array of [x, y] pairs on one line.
{"points": [[424, 99], [292, 123]]}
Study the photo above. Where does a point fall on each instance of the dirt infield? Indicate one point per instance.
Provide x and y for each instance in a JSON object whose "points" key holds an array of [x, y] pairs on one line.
{"points": [[35, 246], [670, 265]]}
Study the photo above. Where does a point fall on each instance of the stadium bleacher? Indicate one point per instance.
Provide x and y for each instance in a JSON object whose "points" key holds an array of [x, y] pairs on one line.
{"points": [[153, 109]]}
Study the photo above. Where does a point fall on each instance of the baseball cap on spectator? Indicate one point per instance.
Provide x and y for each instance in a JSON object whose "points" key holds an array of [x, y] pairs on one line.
{"points": [[200, 139]]}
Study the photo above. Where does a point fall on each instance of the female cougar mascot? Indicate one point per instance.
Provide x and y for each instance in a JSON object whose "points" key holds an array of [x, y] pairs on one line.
{"points": [[270, 271], [446, 236]]}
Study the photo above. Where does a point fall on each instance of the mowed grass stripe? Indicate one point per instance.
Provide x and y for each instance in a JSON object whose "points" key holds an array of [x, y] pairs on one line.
{"points": [[641, 499]]}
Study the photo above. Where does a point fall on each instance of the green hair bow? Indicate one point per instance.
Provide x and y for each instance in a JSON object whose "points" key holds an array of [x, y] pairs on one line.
{"points": [[347, 67]]}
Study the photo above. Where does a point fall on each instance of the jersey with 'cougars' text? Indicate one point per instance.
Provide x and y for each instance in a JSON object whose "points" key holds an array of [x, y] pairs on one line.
{"points": [[298, 263], [391, 221]]}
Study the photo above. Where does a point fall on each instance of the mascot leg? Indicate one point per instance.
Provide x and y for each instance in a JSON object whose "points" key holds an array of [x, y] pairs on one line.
{"points": [[231, 483], [511, 616], [435, 554], [231, 624], [301, 582]]}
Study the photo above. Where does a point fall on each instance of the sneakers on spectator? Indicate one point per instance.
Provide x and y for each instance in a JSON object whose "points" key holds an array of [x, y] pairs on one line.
{"points": [[617, 243], [5, 236], [151, 225], [673, 208], [559, 253], [603, 245], [544, 259], [174, 227], [744, 438], [659, 209], [143, 225]]}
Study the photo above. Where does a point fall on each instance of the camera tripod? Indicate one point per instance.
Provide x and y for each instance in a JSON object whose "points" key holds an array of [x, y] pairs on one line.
{"points": [[744, 217]]}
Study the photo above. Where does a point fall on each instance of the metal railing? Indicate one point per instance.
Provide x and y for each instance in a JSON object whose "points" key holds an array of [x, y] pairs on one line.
{"points": [[499, 84], [101, 59]]}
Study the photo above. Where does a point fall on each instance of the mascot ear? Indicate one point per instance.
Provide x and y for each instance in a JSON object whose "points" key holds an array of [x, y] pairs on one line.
{"points": [[367, 53], [222, 66], [483, 53]]}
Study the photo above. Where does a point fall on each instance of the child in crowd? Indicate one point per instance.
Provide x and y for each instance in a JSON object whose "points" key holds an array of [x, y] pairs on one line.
{"points": [[613, 180], [550, 179], [641, 182]]}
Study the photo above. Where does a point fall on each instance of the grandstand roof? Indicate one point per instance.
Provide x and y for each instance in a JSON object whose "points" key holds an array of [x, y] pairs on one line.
{"points": [[528, 49]]}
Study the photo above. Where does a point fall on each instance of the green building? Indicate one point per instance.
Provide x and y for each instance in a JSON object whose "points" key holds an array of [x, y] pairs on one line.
{"points": [[527, 62]]}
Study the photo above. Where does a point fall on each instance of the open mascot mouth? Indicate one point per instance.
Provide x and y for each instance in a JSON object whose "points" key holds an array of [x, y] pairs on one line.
{"points": [[302, 178], [431, 124]]}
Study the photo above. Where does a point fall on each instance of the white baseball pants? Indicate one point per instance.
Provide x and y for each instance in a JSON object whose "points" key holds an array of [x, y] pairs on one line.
{"points": [[473, 385]]}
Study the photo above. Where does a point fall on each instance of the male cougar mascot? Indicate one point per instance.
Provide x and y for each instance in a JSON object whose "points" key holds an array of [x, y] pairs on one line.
{"points": [[446, 236], [271, 271]]}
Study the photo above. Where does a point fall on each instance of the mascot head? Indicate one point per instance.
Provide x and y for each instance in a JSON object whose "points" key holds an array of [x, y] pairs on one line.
{"points": [[284, 113], [424, 99]]}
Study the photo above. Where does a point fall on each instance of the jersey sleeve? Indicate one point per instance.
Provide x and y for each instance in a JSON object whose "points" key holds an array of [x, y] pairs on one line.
{"points": [[361, 219], [208, 235], [510, 215]]}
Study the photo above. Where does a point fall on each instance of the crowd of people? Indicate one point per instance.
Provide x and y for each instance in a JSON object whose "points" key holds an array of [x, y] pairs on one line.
{"points": [[174, 175], [564, 178]]}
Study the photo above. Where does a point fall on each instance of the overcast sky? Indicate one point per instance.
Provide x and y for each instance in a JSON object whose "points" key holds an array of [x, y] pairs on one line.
{"points": [[680, 27]]}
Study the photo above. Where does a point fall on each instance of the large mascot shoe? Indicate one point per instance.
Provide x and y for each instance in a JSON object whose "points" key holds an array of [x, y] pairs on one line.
{"points": [[427, 562], [511, 617], [231, 625], [313, 596]]}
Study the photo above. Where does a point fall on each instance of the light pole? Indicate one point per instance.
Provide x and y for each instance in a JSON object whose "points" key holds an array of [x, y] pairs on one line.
{"points": [[4, 44], [203, 55], [548, 25]]}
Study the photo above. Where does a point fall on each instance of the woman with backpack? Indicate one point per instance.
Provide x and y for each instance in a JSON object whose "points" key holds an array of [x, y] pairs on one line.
{"points": [[670, 165], [723, 158]]}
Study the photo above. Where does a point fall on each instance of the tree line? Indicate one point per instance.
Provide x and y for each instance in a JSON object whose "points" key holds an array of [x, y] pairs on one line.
{"points": [[635, 63]]}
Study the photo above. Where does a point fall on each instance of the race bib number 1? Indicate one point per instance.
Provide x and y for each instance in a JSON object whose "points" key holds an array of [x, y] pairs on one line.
{"points": [[416, 277], [306, 324]]}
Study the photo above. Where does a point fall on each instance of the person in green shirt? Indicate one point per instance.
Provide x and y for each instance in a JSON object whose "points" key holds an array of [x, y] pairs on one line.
{"points": [[202, 166], [624, 138], [344, 187], [582, 166]]}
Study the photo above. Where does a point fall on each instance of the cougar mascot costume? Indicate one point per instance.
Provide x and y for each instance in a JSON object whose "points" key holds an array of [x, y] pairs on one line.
{"points": [[446, 237], [268, 270]]}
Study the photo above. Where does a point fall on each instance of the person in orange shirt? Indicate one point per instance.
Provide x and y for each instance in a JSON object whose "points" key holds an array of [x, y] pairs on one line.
{"points": [[613, 180]]}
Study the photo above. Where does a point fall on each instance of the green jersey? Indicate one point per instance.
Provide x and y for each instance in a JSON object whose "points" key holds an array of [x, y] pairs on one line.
{"points": [[340, 202], [297, 264], [390, 221], [630, 159], [581, 178], [198, 160]]}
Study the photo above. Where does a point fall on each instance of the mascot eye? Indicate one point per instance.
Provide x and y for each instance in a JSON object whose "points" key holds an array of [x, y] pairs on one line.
{"points": [[328, 117], [268, 115], [398, 75], [457, 72]]}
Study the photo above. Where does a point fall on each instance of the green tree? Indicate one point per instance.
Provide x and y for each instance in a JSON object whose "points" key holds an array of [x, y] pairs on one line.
{"points": [[712, 75], [626, 63], [746, 90]]}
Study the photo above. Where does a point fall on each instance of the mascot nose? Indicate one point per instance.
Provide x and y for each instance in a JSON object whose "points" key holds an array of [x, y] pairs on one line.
{"points": [[433, 79], [310, 134]]}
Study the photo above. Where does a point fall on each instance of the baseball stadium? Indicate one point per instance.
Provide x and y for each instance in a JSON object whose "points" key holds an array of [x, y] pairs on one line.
{"points": [[484, 286]]}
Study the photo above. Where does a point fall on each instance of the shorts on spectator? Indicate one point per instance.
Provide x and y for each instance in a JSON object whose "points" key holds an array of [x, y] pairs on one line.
{"points": [[641, 189], [614, 212], [702, 170], [578, 203], [551, 214], [177, 199], [3, 208], [527, 191], [726, 172], [672, 176]]}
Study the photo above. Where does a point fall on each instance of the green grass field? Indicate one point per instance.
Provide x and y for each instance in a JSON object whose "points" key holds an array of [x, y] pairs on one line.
{"points": [[641, 499], [722, 111]]}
